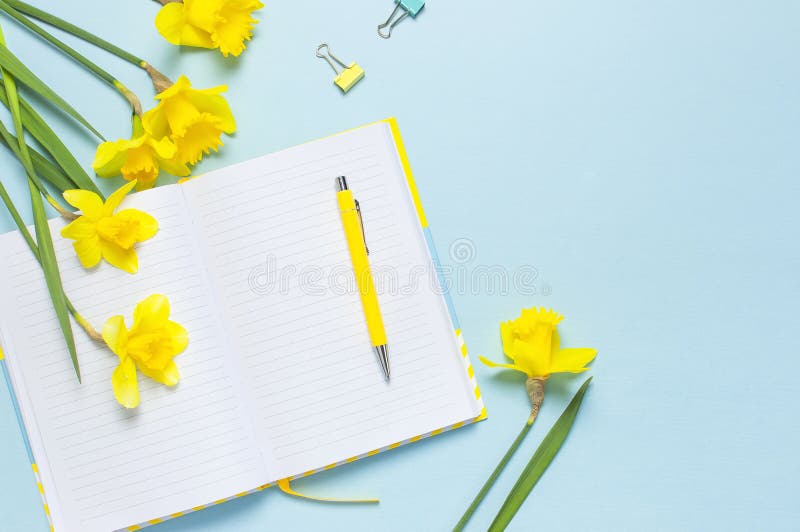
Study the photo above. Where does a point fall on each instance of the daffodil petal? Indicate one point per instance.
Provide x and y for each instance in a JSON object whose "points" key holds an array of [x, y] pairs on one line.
{"points": [[116, 198], [163, 149], [180, 85], [209, 101], [79, 229], [89, 203], [124, 259], [115, 334], [125, 384], [170, 21], [89, 251], [151, 313], [147, 225], [203, 13], [175, 167], [172, 24], [507, 337], [169, 375], [534, 360], [497, 365], [110, 157], [155, 123], [178, 334], [572, 360]]}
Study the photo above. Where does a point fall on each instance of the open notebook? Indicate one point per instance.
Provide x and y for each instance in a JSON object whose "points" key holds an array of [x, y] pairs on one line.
{"points": [[279, 379]]}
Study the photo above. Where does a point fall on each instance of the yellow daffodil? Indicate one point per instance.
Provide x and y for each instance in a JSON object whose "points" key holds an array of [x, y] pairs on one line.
{"points": [[532, 343], [194, 119], [101, 233], [223, 24], [150, 345], [139, 159]]}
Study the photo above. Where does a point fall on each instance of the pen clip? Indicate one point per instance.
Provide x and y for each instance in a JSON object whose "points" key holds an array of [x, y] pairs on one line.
{"points": [[361, 221]]}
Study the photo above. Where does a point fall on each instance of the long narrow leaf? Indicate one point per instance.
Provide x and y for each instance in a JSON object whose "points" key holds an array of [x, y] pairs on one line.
{"points": [[39, 129], [43, 166], [23, 155], [47, 254], [23, 229], [539, 462], [17, 68], [51, 274], [26, 235]]}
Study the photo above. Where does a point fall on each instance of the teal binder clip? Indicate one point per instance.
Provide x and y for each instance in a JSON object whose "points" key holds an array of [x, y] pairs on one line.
{"points": [[409, 7]]}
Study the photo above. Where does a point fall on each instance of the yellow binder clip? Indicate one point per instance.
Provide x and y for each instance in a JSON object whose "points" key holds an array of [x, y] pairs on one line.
{"points": [[349, 75]]}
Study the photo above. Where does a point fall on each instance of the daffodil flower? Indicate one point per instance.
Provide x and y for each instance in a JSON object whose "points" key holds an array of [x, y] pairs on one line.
{"points": [[150, 346], [139, 159], [101, 233], [194, 119], [532, 343], [223, 24]]}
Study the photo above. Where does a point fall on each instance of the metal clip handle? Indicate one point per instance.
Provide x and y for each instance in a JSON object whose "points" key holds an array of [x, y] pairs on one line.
{"points": [[361, 221], [389, 25], [328, 55]]}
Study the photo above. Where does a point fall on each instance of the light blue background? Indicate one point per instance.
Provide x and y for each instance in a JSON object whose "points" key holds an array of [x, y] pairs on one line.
{"points": [[644, 157]]}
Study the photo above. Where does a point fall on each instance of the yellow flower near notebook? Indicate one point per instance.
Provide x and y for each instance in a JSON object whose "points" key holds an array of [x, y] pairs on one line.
{"points": [[534, 347], [139, 159], [150, 346], [101, 233], [222, 24], [532, 343], [193, 119]]}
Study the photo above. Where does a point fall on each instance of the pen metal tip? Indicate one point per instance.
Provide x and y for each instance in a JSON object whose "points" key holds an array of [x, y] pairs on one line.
{"points": [[383, 357]]}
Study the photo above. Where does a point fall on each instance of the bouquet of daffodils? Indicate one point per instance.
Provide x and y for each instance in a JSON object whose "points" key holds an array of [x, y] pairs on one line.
{"points": [[185, 124]]}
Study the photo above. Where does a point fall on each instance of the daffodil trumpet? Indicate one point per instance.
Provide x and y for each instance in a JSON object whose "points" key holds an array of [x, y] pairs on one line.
{"points": [[533, 345]]}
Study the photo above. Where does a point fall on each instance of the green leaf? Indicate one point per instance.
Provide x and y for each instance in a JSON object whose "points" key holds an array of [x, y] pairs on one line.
{"points": [[17, 68], [43, 166], [39, 129], [539, 462], [47, 253], [23, 155], [51, 274]]}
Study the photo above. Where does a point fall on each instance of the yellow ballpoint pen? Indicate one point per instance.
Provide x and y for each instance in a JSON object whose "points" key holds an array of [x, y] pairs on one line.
{"points": [[356, 241]]}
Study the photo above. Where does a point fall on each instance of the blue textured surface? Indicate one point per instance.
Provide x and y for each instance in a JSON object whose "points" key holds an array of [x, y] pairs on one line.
{"points": [[643, 157]]}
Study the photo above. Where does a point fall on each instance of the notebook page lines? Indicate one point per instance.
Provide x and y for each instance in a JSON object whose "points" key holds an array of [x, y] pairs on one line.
{"points": [[280, 263], [181, 447]]}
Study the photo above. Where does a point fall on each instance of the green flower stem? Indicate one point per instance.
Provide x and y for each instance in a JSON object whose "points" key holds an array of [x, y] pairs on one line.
{"points": [[496, 473], [72, 29], [74, 54], [159, 80]]}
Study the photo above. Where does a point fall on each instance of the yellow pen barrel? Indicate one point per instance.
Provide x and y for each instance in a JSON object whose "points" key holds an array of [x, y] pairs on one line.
{"points": [[358, 254]]}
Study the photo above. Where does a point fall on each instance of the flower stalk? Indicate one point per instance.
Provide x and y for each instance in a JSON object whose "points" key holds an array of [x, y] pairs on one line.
{"points": [[535, 389], [19, 7], [132, 99]]}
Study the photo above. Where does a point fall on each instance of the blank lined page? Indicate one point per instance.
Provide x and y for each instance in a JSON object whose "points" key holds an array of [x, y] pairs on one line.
{"points": [[278, 258], [105, 467]]}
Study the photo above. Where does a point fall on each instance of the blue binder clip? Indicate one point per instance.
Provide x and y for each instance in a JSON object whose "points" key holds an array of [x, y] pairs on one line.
{"points": [[409, 7]]}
